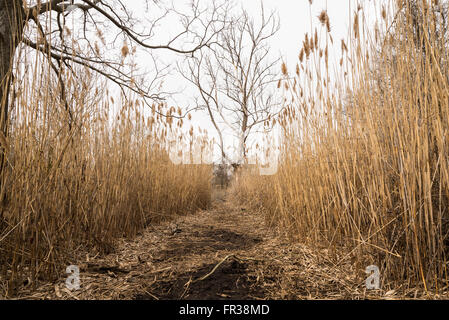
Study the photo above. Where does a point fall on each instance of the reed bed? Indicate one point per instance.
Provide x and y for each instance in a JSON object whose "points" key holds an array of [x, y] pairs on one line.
{"points": [[83, 171], [365, 160]]}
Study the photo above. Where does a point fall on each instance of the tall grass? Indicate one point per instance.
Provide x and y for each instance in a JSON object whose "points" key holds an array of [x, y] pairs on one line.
{"points": [[80, 175], [365, 153]]}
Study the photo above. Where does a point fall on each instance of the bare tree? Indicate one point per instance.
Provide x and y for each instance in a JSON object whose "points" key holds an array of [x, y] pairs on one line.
{"points": [[235, 79], [65, 32]]}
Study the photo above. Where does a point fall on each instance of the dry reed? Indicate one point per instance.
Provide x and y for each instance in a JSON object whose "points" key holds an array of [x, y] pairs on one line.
{"points": [[365, 151], [80, 175]]}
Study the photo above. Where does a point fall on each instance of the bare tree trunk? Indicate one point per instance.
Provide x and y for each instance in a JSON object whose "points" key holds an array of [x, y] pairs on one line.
{"points": [[244, 135], [11, 28]]}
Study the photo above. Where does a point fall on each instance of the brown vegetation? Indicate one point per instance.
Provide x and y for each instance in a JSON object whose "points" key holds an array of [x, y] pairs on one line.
{"points": [[363, 176], [71, 189], [365, 151]]}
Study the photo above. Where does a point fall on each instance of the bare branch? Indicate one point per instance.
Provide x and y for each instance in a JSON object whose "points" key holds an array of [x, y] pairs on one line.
{"points": [[235, 79]]}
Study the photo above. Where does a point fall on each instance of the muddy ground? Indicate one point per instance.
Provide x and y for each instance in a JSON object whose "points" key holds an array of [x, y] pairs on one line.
{"points": [[226, 252]]}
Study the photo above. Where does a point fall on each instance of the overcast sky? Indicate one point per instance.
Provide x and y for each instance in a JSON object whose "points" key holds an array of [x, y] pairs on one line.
{"points": [[295, 19], [295, 16]]}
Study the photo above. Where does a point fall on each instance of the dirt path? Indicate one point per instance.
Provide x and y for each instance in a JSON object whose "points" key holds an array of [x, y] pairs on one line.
{"points": [[223, 253]]}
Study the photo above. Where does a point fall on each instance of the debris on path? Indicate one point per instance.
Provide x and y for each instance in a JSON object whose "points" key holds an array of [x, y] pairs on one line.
{"points": [[221, 253]]}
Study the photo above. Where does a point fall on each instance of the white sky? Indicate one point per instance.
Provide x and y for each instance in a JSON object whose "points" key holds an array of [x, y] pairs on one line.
{"points": [[295, 16]]}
